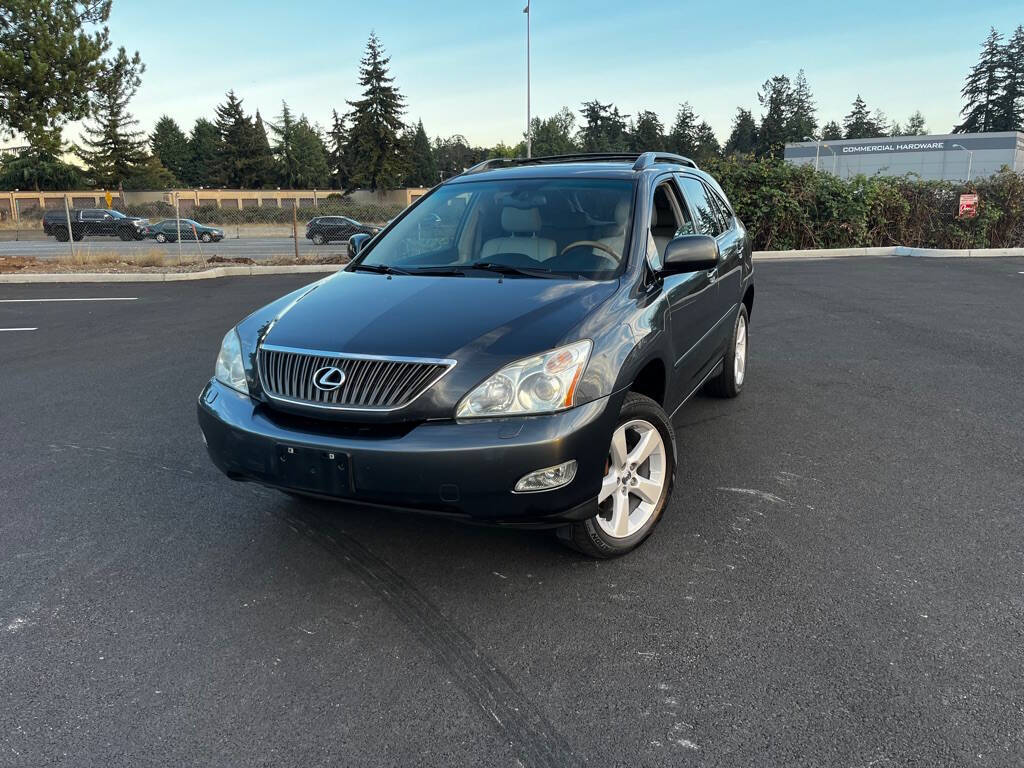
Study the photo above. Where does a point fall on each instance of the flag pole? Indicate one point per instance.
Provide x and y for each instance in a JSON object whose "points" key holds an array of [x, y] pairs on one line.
{"points": [[529, 142]]}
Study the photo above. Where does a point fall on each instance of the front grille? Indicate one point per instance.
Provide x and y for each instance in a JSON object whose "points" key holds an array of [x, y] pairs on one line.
{"points": [[370, 383]]}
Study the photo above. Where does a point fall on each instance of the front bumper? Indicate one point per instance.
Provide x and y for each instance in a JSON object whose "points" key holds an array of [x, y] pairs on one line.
{"points": [[461, 468]]}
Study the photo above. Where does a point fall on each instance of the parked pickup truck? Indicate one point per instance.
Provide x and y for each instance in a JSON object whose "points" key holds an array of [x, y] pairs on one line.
{"points": [[93, 221]]}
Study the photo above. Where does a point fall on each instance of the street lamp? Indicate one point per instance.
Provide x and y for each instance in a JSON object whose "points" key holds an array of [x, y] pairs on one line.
{"points": [[529, 143], [817, 152], [834, 156], [970, 159]]}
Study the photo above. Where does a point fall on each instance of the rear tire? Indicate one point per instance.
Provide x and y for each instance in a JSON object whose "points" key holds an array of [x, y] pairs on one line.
{"points": [[61, 235], [161, 237], [634, 493], [318, 239], [126, 236], [729, 383], [76, 236]]}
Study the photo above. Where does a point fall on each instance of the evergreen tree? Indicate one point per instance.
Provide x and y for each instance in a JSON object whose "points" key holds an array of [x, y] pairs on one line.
{"points": [[338, 136], [371, 154], [204, 155], [554, 135], [776, 98], [983, 89], [706, 144], [311, 156], [802, 121], [682, 139], [288, 169], [831, 131], [50, 67], [915, 125], [743, 139], [263, 170], [604, 128], [170, 146], [113, 149], [1011, 101], [454, 155], [859, 124], [39, 170], [882, 125], [244, 151], [422, 168], [648, 135]]}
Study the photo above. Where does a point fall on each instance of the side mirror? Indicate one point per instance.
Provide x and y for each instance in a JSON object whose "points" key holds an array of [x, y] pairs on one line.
{"points": [[356, 243], [690, 253]]}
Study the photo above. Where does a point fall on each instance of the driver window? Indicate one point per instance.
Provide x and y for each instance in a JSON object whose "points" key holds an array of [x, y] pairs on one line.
{"points": [[669, 219]]}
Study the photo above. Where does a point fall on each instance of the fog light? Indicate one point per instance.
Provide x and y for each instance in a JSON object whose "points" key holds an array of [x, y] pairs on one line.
{"points": [[547, 479]]}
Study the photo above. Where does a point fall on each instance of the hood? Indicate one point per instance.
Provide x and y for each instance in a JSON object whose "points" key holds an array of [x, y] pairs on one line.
{"points": [[483, 321]]}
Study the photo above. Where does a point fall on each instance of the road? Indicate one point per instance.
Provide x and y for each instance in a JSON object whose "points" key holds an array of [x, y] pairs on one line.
{"points": [[838, 581], [251, 247]]}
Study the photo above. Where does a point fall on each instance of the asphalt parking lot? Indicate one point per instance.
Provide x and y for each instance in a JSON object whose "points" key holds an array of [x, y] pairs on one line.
{"points": [[838, 582], [230, 247]]}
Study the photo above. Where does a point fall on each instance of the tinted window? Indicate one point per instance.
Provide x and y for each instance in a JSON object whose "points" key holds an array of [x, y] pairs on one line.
{"points": [[705, 213], [93, 215]]}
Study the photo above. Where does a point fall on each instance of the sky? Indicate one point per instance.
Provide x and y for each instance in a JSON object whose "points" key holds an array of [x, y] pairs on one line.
{"points": [[461, 63]]}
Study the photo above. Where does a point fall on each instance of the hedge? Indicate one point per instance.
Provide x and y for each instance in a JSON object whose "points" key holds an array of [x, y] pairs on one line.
{"points": [[793, 207]]}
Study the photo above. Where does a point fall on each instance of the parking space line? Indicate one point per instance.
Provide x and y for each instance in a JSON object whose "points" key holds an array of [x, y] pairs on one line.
{"points": [[97, 298], [18, 329]]}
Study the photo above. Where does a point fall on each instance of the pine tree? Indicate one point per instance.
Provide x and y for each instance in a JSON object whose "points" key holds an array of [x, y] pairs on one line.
{"points": [[776, 98], [170, 146], [243, 149], [915, 125], [648, 135], [422, 168], [338, 138], [604, 128], [50, 67], [743, 139], [706, 144], [802, 121], [113, 149], [983, 88], [310, 155], [371, 154], [831, 131], [288, 169], [1011, 101], [859, 124], [682, 139], [205, 151], [263, 171]]}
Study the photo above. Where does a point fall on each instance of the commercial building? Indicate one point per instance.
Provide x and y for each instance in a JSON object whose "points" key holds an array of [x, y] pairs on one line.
{"points": [[950, 157]]}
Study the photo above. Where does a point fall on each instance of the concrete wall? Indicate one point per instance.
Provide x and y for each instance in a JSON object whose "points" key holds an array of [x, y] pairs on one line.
{"points": [[930, 157]]}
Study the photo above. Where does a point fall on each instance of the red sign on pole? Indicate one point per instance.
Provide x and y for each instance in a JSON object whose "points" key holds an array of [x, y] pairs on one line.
{"points": [[968, 206]]}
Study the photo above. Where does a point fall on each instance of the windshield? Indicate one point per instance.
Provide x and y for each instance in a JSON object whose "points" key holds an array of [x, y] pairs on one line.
{"points": [[526, 227]]}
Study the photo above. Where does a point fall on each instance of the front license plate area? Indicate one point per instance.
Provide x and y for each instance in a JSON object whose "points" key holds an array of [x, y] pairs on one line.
{"points": [[315, 470]]}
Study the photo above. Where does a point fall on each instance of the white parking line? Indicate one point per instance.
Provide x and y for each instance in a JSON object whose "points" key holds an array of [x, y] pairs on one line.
{"points": [[98, 298], [18, 329]]}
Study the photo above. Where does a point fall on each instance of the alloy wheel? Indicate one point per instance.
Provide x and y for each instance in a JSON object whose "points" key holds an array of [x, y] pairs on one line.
{"points": [[634, 480], [740, 357]]}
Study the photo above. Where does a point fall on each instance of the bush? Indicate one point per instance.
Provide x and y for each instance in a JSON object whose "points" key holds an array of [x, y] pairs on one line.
{"points": [[793, 207]]}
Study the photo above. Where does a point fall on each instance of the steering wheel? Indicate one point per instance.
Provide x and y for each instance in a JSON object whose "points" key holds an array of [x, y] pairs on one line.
{"points": [[591, 244]]}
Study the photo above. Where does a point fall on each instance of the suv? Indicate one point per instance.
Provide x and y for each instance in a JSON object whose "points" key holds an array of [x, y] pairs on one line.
{"points": [[509, 350], [93, 221]]}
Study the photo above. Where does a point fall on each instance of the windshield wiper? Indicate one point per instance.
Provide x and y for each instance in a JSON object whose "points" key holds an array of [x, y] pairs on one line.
{"points": [[508, 269], [380, 269]]}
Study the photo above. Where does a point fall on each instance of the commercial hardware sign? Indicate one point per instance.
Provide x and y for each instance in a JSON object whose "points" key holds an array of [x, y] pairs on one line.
{"points": [[895, 146]]}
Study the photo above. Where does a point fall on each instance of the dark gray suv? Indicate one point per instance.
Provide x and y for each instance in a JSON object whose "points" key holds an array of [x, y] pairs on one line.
{"points": [[509, 350]]}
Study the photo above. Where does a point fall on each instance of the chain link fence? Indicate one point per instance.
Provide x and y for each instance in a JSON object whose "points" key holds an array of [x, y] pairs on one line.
{"points": [[188, 227]]}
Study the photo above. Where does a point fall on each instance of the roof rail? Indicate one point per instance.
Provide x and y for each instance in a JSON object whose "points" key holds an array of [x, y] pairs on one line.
{"points": [[640, 160], [647, 159]]}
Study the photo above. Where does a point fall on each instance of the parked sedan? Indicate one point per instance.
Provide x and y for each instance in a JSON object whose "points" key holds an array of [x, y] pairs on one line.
{"points": [[324, 229], [166, 231]]}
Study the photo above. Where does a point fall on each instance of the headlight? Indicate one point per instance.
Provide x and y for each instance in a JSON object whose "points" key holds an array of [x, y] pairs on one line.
{"points": [[230, 368], [541, 384]]}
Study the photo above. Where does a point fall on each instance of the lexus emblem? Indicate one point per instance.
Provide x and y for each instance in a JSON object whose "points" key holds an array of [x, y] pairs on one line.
{"points": [[328, 378]]}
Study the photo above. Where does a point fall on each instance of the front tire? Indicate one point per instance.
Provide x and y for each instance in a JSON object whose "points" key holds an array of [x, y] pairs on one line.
{"points": [[161, 237], [729, 383], [636, 486], [205, 237]]}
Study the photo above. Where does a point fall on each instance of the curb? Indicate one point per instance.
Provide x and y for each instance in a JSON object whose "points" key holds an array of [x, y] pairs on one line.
{"points": [[889, 252], [252, 270]]}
